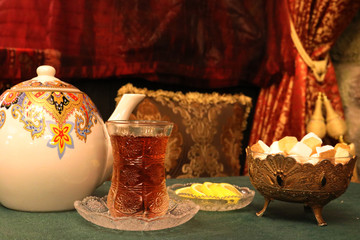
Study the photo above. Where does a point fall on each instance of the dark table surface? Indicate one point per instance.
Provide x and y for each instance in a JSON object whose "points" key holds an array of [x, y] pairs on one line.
{"points": [[281, 220]]}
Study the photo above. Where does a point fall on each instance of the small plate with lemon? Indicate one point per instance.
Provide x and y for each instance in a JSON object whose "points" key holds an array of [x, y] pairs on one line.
{"points": [[214, 196]]}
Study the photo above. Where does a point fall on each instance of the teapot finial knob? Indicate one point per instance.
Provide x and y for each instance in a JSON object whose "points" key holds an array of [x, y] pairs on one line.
{"points": [[46, 70]]}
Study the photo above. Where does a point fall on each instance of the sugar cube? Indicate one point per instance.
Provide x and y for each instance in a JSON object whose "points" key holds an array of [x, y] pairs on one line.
{"points": [[287, 143]]}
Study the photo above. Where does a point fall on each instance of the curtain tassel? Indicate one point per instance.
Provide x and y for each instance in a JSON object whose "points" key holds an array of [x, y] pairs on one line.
{"points": [[317, 121], [335, 125]]}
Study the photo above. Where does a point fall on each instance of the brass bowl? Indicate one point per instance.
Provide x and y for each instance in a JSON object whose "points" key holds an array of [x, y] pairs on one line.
{"points": [[279, 177]]}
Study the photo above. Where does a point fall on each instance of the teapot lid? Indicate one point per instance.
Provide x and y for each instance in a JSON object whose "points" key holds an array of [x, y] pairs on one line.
{"points": [[45, 81]]}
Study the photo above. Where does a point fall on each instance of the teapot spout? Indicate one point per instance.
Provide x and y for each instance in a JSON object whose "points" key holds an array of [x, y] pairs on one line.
{"points": [[126, 105]]}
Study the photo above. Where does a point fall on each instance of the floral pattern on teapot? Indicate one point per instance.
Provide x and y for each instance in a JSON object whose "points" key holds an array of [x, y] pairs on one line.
{"points": [[29, 108], [2, 118]]}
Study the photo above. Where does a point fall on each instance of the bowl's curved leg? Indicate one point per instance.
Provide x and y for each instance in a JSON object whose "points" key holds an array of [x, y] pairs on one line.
{"points": [[317, 212], [266, 204]]}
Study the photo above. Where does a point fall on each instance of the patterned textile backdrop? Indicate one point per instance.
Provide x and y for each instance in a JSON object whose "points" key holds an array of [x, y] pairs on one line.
{"points": [[208, 130], [200, 43]]}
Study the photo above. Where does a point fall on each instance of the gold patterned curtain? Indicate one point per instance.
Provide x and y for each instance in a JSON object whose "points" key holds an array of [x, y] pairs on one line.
{"points": [[297, 64]]}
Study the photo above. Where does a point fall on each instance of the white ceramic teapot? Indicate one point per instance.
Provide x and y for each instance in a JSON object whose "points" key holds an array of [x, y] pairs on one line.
{"points": [[54, 147]]}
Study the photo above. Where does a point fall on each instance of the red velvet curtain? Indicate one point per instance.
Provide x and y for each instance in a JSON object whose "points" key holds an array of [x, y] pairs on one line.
{"points": [[202, 43], [289, 87]]}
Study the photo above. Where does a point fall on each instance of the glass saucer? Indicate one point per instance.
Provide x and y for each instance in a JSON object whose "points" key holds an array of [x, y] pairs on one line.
{"points": [[211, 203], [94, 210]]}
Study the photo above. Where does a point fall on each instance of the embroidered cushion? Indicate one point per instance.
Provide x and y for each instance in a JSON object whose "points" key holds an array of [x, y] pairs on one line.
{"points": [[208, 129]]}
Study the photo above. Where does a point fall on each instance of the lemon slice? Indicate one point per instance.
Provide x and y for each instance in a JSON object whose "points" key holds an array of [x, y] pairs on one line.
{"points": [[196, 190], [226, 191], [185, 192], [209, 190], [205, 188], [231, 188], [220, 191]]}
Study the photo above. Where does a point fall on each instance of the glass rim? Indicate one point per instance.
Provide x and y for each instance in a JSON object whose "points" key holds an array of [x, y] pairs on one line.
{"points": [[141, 122]]}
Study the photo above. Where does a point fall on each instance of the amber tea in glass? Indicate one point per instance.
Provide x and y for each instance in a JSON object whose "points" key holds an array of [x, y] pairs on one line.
{"points": [[138, 182]]}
